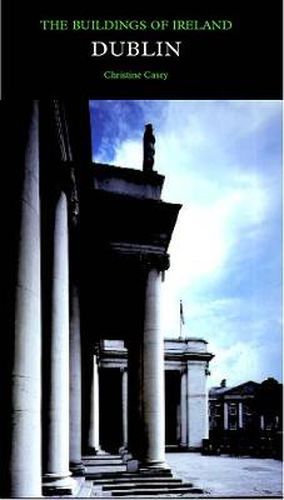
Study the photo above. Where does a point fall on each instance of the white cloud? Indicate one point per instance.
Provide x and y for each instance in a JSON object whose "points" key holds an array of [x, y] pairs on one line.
{"points": [[129, 155], [242, 361]]}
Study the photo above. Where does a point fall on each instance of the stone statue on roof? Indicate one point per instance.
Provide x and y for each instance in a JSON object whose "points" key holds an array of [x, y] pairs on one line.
{"points": [[149, 148]]}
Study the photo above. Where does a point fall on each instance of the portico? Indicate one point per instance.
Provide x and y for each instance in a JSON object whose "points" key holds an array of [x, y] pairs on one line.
{"points": [[87, 255], [133, 235]]}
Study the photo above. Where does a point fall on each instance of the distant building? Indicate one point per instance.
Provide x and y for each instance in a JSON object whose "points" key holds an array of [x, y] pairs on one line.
{"points": [[186, 396], [246, 418], [231, 408]]}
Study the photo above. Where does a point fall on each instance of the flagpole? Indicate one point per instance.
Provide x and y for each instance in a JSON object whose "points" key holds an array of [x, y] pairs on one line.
{"points": [[181, 319]]}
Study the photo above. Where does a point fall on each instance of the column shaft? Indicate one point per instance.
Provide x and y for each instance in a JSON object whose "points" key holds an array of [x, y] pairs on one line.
{"points": [[20, 461], [262, 422], [153, 375], [124, 409], [183, 408], [56, 473], [226, 417], [94, 433], [75, 438], [240, 415]]}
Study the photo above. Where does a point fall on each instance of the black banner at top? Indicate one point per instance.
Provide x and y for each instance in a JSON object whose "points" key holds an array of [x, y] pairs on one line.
{"points": [[204, 50]]}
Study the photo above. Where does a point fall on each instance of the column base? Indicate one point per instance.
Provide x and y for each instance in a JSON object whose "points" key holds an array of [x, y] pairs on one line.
{"points": [[123, 449], [58, 485], [183, 444], [97, 451], [77, 469]]}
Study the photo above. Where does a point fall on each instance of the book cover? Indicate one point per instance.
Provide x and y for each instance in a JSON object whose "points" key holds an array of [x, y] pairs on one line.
{"points": [[146, 154]]}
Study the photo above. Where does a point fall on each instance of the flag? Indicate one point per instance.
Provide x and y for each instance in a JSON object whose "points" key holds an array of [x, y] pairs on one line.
{"points": [[181, 312]]}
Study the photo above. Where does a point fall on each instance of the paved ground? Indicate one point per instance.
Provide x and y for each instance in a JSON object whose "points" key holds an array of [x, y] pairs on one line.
{"points": [[226, 476]]}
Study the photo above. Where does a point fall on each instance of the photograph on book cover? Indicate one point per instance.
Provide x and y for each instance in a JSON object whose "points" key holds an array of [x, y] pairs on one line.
{"points": [[142, 284]]}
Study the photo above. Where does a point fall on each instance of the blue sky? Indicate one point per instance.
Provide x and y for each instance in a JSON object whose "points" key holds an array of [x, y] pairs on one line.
{"points": [[222, 161]]}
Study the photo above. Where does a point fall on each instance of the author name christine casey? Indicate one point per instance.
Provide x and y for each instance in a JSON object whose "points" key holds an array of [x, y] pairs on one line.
{"points": [[132, 75]]}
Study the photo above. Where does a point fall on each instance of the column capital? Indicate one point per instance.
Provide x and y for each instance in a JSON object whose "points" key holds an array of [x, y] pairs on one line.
{"points": [[61, 128], [96, 350], [72, 195], [61, 177], [66, 179], [146, 256], [60, 171], [158, 261]]}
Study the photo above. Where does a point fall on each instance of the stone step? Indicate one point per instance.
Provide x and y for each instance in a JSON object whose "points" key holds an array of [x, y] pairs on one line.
{"points": [[103, 461], [105, 456], [149, 485], [152, 496], [138, 479], [155, 472], [123, 474], [97, 471], [159, 491]]}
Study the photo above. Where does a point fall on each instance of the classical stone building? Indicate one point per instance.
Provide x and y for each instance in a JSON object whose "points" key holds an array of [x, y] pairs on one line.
{"points": [[247, 419], [186, 397], [86, 252]]}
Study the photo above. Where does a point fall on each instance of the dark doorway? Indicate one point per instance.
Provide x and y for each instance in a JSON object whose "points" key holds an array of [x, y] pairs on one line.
{"points": [[172, 407], [110, 409]]}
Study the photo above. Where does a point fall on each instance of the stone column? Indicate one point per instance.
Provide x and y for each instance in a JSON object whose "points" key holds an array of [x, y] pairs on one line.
{"points": [[124, 382], [75, 438], [183, 408], [94, 426], [240, 415], [56, 472], [136, 440], [20, 461], [178, 423], [226, 416], [153, 376], [262, 422]]}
